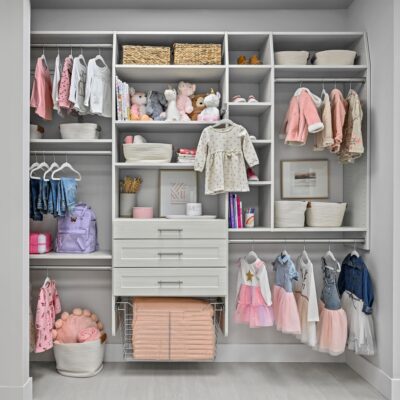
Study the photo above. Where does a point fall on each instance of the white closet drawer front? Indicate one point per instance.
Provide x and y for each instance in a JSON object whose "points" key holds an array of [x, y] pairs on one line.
{"points": [[170, 229], [170, 253], [170, 282]]}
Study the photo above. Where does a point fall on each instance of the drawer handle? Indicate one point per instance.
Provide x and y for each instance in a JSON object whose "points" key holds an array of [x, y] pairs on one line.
{"points": [[161, 230], [179, 283], [170, 254]]}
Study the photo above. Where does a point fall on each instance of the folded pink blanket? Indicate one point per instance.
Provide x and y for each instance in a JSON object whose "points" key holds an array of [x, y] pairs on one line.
{"points": [[88, 335]]}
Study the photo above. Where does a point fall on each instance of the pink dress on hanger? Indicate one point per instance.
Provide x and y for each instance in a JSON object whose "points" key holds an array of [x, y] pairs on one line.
{"points": [[48, 307], [41, 99], [254, 302]]}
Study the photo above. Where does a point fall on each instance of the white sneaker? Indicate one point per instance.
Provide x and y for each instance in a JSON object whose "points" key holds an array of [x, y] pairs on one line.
{"points": [[139, 139]]}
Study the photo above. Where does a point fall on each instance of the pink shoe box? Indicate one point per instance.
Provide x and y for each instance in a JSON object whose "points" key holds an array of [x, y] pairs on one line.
{"points": [[143, 212]]}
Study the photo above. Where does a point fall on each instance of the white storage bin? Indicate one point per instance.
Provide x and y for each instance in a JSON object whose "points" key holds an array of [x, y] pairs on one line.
{"points": [[290, 214], [291, 57], [323, 214], [77, 131], [79, 360], [148, 153], [335, 57]]}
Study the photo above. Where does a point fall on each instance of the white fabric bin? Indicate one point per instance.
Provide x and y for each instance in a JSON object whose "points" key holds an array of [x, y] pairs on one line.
{"points": [[324, 214], [79, 131], [290, 214], [148, 152], [335, 57], [291, 57], [80, 360]]}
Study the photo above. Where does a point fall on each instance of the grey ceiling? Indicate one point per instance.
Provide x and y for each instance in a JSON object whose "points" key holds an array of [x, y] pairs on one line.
{"points": [[193, 4]]}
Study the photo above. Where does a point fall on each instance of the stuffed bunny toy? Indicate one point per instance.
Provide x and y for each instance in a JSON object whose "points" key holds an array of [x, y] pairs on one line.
{"points": [[172, 112], [138, 105], [211, 112], [156, 105], [183, 102]]}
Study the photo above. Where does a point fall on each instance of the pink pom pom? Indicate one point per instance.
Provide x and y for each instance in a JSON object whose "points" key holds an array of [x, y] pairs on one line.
{"points": [[64, 316], [54, 333], [94, 317], [58, 324], [87, 313], [100, 326], [77, 311]]}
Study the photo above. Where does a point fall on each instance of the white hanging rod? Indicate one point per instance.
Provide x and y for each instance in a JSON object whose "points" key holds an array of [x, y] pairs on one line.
{"points": [[320, 80], [73, 45], [71, 268], [72, 153], [295, 241]]}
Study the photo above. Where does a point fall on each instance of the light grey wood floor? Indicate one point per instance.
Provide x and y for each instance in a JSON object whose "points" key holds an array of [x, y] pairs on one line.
{"points": [[205, 381]]}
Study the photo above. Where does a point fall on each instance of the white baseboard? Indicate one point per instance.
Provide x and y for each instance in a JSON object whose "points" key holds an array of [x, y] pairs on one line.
{"points": [[390, 388], [17, 392]]}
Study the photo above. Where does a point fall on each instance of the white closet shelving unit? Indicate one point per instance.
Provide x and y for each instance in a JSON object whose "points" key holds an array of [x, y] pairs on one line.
{"points": [[198, 250]]}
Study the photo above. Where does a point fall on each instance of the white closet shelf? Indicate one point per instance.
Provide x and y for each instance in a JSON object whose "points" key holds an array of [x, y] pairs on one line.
{"points": [[321, 230], [319, 71], [250, 230], [97, 255], [169, 73], [123, 165], [248, 73], [261, 142], [259, 183], [161, 126], [248, 109], [70, 144]]}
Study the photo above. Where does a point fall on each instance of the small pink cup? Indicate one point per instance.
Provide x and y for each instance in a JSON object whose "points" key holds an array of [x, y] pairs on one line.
{"points": [[143, 212], [128, 139]]}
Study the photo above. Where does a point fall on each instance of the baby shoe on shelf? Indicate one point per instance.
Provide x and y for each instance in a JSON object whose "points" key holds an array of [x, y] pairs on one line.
{"points": [[251, 175], [238, 99], [252, 99]]}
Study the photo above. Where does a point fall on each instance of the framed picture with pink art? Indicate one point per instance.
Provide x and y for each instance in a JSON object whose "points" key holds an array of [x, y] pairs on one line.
{"points": [[176, 189]]}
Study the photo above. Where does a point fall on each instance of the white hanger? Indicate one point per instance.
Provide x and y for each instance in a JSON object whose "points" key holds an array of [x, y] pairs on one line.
{"points": [[355, 252], [35, 164], [42, 166], [100, 57], [224, 121], [81, 58], [53, 166], [66, 164], [330, 255]]}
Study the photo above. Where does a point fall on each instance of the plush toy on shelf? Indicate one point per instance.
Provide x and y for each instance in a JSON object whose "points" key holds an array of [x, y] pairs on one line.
{"points": [[183, 102], [138, 105], [172, 112], [156, 105], [78, 327], [211, 112], [198, 105]]}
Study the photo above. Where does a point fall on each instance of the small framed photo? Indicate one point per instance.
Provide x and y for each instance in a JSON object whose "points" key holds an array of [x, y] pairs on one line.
{"points": [[176, 189], [305, 179]]}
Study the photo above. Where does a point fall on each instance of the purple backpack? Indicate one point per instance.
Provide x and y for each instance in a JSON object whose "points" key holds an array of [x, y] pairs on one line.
{"points": [[77, 232]]}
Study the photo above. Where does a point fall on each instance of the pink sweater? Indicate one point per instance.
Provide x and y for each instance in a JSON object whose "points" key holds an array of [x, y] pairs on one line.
{"points": [[339, 108], [301, 118]]}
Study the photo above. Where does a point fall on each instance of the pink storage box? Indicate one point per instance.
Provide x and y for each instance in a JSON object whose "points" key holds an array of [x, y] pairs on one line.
{"points": [[143, 212], [40, 243]]}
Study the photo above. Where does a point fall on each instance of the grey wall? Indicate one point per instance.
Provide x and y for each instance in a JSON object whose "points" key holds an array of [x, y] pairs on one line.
{"points": [[376, 18], [14, 270]]}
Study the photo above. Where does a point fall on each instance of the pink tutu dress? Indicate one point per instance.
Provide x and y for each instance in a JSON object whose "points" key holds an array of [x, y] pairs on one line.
{"points": [[307, 303], [254, 303], [332, 326], [285, 308]]}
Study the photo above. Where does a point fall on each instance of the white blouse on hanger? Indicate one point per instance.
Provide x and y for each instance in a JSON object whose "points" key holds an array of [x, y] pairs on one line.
{"points": [[98, 88], [78, 84], [56, 82]]}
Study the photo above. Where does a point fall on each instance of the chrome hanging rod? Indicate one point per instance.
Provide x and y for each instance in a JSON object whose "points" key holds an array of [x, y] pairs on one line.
{"points": [[72, 152], [73, 45], [70, 268], [296, 241], [320, 80]]}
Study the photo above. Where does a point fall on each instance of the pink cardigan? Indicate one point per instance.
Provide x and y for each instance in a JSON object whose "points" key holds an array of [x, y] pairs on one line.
{"points": [[339, 108], [301, 118]]}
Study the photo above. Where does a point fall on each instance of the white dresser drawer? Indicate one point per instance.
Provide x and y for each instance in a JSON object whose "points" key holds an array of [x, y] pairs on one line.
{"points": [[169, 229], [170, 282], [170, 253]]}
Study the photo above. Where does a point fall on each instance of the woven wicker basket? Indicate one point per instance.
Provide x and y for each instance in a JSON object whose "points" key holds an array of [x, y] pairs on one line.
{"points": [[201, 54], [146, 55]]}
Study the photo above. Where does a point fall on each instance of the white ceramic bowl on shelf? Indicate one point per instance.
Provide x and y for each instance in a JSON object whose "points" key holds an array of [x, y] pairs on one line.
{"points": [[325, 214], [290, 213], [335, 57], [79, 131], [291, 57], [148, 153]]}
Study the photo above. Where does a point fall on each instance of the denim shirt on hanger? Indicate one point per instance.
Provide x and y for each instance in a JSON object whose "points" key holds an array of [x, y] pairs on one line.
{"points": [[354, 278], [285, 272], [330, 296]]}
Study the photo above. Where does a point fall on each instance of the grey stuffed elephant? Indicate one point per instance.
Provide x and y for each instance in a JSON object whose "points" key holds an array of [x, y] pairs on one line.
{"points": [[156, 105]]}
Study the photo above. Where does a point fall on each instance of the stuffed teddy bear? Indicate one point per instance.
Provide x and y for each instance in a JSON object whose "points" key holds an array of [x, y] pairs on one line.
{"points": [[198, 105], [156, 105], [138, 105], [78, 327], [183, 102], [172, 113], [211, 112]]}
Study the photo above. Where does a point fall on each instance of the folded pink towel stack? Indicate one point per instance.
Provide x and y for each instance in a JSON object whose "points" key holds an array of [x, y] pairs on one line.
{"points": [[173, 329]]}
